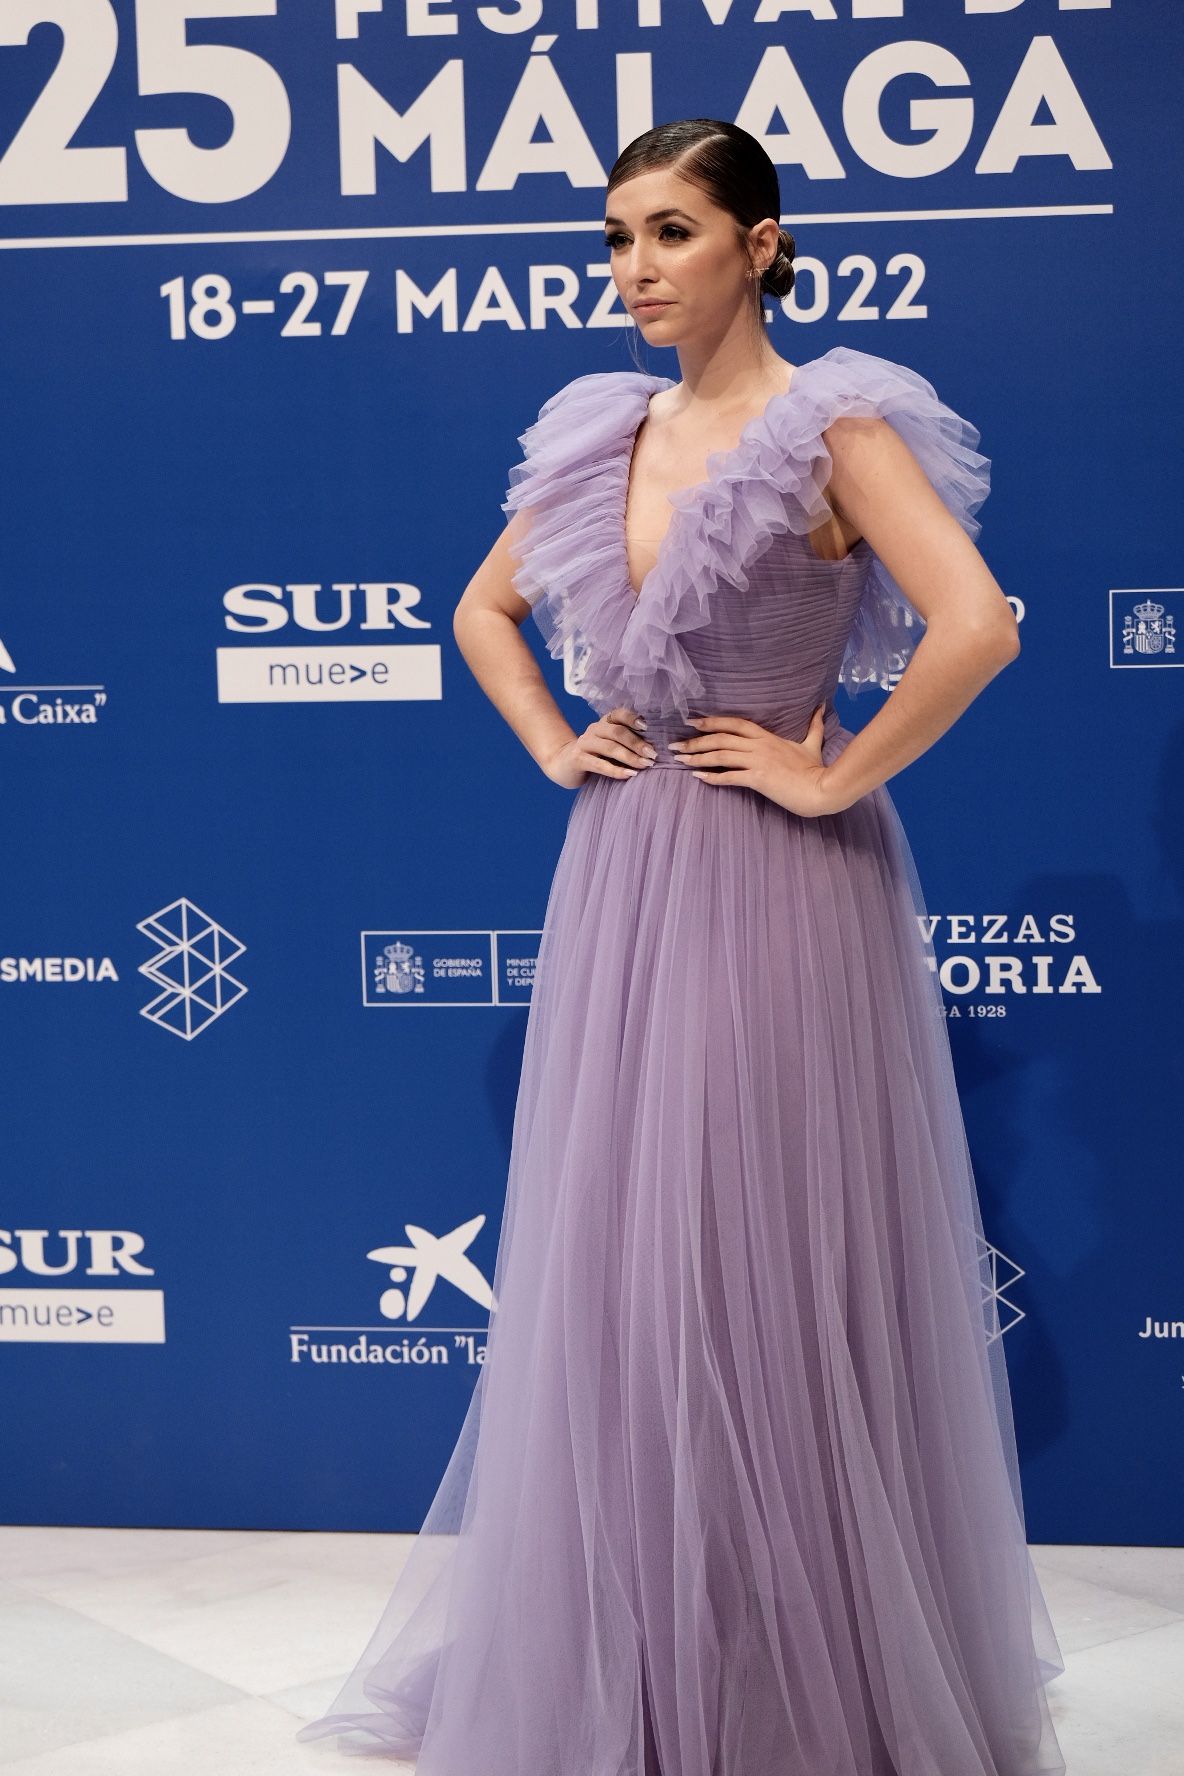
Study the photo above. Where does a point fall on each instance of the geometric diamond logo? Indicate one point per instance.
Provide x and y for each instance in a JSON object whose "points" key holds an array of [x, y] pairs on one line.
{"points": [[191, 969], [997, 1274]]}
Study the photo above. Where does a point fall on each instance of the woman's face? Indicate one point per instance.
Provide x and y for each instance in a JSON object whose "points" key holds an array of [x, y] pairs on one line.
{"points": [[676, 261]]}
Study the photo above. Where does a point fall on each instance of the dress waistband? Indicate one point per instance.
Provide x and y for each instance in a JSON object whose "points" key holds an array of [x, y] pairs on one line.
{"points": [[661, 729]]}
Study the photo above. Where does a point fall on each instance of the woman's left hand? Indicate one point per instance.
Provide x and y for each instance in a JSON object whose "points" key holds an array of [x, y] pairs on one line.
{"points": [[789, 772]]}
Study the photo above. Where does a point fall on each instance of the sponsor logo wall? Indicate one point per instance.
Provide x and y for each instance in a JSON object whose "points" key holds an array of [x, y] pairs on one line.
{"points": [[280, 288]]}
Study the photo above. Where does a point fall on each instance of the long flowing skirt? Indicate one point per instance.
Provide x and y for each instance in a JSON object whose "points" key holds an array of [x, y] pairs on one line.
{"points": [[736, 1493]]}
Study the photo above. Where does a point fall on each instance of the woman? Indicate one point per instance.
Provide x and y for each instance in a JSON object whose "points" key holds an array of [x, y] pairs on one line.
{"points": [[737, 1492]]}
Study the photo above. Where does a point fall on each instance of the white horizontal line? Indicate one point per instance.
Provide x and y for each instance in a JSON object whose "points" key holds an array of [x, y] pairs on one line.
{"points": [[429, 231]]}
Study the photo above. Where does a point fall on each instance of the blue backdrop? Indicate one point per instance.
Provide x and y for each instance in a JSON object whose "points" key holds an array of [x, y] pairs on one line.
{"points": [[280, 285]]}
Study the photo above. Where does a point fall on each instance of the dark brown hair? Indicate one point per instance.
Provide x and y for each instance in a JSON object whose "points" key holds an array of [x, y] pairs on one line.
{"points": [[729, 165]]}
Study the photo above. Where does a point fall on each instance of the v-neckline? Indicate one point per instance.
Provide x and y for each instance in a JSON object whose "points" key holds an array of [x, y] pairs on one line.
{"points": [[683, 499]]}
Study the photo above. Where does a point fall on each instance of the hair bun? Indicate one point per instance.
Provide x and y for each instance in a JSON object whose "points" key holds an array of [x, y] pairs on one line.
{"points": [[778, 278]]}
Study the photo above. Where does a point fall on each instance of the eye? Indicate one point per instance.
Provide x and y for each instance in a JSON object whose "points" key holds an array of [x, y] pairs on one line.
{"points": [[611, 240]]}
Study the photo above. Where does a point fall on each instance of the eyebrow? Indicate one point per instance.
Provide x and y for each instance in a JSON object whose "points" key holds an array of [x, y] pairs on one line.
{"points": [[654, 216]]}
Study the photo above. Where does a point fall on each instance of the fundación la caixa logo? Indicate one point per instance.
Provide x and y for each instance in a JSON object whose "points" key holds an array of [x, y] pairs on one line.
{"points": [[414, 1270], [46, 705], [405, 667]]}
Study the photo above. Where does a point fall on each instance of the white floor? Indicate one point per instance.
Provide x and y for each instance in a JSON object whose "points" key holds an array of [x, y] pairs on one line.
{"points": [[177, 1652]]}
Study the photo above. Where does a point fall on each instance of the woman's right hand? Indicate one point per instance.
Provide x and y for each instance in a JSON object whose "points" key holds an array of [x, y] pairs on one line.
{"points": [[611, 746]]}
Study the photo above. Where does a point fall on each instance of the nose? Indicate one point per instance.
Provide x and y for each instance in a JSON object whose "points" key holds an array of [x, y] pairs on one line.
{"points": [[640, 268]]}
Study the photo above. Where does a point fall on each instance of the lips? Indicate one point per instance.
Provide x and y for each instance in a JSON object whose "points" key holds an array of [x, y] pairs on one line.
{"points": [[650, 307]]}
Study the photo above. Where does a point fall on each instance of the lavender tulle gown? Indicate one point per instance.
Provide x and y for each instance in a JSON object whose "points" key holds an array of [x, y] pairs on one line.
{"points": [[737, 1491]]}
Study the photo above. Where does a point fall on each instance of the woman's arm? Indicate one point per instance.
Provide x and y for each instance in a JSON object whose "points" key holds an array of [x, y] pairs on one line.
{"points": [[970, 632], [486, 625]]}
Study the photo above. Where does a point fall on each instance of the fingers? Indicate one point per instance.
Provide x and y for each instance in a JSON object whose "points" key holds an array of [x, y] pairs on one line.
{"points": [[729, 724], [726, 779], [613, 736], [605, 768], [599, 751], [730, 756]]}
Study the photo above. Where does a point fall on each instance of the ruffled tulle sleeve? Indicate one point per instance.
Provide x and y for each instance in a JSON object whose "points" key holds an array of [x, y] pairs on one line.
{"points": [[564, 500], [846, 383]]}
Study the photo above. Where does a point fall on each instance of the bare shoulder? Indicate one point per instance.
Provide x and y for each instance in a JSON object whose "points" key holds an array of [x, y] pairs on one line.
{"points": [[868, 453], [868, 459]]}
